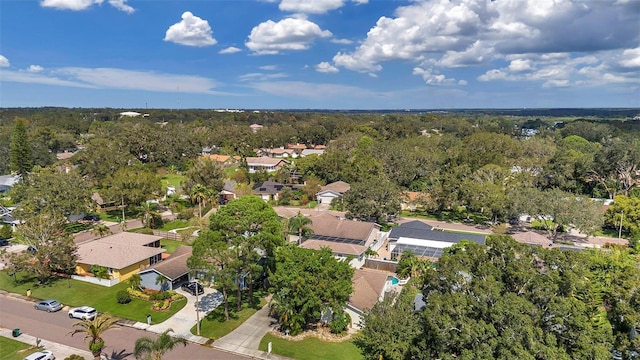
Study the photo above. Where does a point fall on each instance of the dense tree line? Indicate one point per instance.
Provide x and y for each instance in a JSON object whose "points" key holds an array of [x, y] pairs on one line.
{"points": [[508, 300]]}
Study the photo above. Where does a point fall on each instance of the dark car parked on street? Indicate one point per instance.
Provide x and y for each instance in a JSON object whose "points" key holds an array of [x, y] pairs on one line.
{"points": [[4, 242], [190, 287]]}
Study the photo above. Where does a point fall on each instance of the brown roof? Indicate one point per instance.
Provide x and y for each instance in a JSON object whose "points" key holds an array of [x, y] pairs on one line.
{"points": [[176, 264], [263, 160], [368, 285], [132, 239], [340, 187], [336, 247], [114, 255], [219, 158], [329, 225], [297, 146]]}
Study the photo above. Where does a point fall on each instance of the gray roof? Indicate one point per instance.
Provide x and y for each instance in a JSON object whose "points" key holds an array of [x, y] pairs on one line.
{"points": [[175, 265], [413, 229], [419, 230]]}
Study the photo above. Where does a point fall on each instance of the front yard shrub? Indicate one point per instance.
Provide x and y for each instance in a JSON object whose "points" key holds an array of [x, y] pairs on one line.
{"points": [[74, 357], [186, 214], [340, 323], [138, 294], [160, 296], [161, 305], [6, 232], [123, 297]]}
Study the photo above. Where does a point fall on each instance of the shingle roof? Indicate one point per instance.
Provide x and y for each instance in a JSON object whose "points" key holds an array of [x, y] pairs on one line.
{"points": [[336, 247], [263, 160], [175, 265], [413, 229], [127, 238], [331, 226], [114, 255], [340, 187], [368, 285]]}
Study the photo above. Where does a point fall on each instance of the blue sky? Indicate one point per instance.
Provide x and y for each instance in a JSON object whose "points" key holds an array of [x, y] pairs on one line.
{"points": [[320, 54]]}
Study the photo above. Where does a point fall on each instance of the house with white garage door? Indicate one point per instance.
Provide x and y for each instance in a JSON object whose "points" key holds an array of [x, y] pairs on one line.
{"points": [[332, 191]]}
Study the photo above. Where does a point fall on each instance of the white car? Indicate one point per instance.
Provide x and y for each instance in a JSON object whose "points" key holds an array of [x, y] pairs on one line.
{"points": [[83, 313], [41, 355]]}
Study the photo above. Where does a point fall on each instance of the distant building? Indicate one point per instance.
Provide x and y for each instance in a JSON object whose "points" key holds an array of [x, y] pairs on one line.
{"points": [[255, 127]]}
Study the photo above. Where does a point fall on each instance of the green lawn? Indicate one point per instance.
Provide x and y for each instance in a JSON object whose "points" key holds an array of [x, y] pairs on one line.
{"points": [[311, 348], [171, 245], [77, 293], [214, 326], [175, 224], [172, 179], [14, 350]]}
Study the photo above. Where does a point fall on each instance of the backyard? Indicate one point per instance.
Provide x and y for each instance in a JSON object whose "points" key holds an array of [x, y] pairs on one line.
{"points": [[74, 293]]}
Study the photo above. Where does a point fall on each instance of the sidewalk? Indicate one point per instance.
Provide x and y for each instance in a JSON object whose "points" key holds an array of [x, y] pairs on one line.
{"points": [[245, 339], [60, 351]]}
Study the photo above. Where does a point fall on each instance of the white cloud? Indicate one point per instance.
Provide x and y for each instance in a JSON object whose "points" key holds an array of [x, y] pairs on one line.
{"points": [[432, 77], [342, 41], [269, 67], [229, 50], [310, 7], [35, 68], [122, 6], [77, 5], [261, 76], [360, 2], [191, 31], [438, 34], [110, 78], [294, 33], [74, 5], [4, 62], [325, 67], [630, 58]]}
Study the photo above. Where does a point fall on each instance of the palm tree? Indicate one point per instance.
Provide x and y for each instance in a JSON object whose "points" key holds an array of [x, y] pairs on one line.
{"points": [[199, 193], [149, 349], [135, 281], [101, 230], [149, 212], [93, 331], [298, 225], [162, 281]]}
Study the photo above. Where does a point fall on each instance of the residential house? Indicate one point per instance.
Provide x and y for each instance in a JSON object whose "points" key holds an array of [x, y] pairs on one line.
{"points": [[209, 150], [297, 148], [412, 200], [224, 160], [228, 192], [174, 269], [346, 238], [277, 153], [307, 152], [102, 205], [255, 128], [123, 254], [369, 287], [425, 241], [270, 190], [264, 163], [332, 191]]}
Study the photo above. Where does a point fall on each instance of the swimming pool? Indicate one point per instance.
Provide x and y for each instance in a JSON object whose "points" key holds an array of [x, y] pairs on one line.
{"points": [[394, 281]]}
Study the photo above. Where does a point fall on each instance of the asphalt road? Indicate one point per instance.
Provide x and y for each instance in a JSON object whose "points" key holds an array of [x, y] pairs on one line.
{"points": [[119, 343]]}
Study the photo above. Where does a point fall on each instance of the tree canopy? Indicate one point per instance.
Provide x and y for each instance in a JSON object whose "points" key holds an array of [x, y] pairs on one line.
{"points": [[307, 283]]}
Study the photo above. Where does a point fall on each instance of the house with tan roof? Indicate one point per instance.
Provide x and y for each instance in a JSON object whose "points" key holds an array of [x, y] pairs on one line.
{"points": [[174, 268], [346, 238], [264, 163], [123, 254], [369, 287], [102, 205], [277, 153], [413, 200], [224, 160], [255, 128], [332, 191]]}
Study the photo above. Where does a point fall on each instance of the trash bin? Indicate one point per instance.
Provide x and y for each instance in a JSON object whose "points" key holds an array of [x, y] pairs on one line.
{"points": [[15, 332], [149, 319]]}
